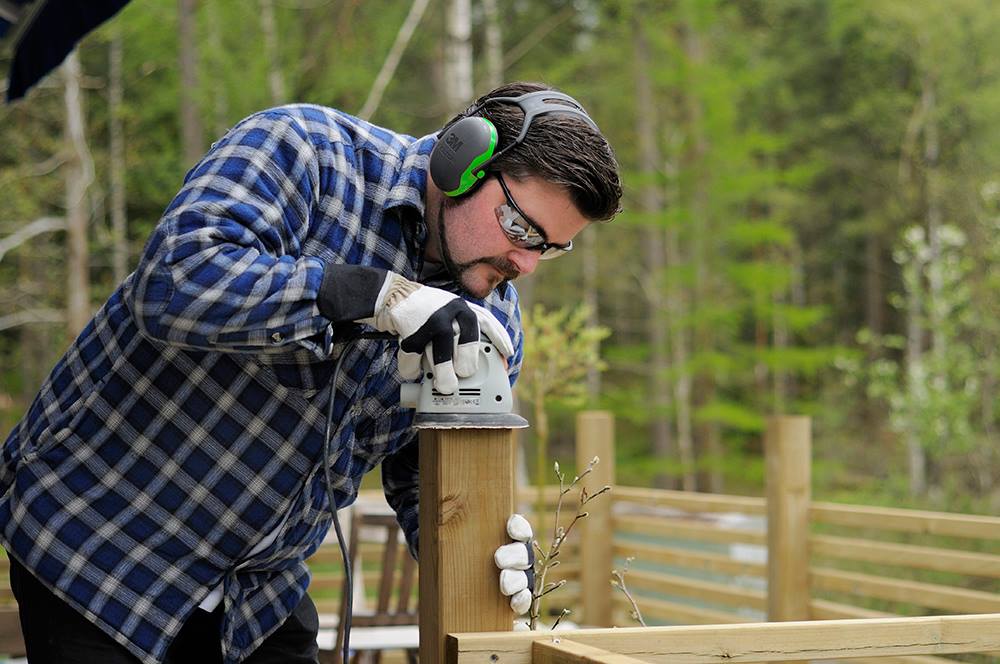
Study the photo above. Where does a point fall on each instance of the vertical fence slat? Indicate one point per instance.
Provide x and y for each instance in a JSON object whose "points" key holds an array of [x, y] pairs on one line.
{"points": [[595, 436], [787, 451]]}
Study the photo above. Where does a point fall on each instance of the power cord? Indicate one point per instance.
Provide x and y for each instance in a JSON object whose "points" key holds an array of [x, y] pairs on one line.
{"points": [[348, 599]]}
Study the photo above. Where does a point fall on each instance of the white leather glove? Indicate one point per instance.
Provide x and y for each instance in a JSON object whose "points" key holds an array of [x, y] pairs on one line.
{"points": [[437, 322], [516, 562], [425, 319]]}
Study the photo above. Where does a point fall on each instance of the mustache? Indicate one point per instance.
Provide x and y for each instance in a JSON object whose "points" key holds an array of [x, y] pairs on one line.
{"points": [[502, 265]]}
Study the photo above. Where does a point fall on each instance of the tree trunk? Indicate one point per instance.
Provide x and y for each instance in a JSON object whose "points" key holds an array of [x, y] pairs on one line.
{"points": [[591, 293], [709, 435], [191, 130], [220, 98], [79, 175], [116, 159], [494, 45], [35, 340], [275, 79], [932, 150], [874, 296], [458, 55], [651, 203], [780, 342], [914, 380]]}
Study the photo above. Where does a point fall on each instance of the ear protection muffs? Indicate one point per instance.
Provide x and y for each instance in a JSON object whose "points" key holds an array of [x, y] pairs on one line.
{"points": [[467, 147]]}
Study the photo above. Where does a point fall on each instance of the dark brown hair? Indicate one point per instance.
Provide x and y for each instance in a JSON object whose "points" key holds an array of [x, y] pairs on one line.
{"points": [[560, 148]]}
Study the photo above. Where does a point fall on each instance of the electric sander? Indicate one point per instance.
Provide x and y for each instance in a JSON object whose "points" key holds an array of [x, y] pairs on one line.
{"points": [[481, 401]]}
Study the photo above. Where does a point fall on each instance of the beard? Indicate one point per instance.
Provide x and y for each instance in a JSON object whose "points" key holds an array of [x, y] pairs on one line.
{"points": [[458, 270]]}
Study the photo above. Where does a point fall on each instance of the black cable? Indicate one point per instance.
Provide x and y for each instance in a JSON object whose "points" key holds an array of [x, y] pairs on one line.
{"points": [[348, 599]]}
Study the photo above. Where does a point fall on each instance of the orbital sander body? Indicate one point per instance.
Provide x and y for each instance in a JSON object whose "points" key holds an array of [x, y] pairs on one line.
{"points": [[482, 400]]}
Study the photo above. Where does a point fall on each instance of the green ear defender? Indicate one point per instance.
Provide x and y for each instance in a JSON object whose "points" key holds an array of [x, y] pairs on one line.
{"points": [[459, 154], [465, 149]]}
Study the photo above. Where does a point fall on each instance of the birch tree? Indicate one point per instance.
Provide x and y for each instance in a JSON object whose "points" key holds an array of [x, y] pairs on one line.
{"points": [[79, 175]]}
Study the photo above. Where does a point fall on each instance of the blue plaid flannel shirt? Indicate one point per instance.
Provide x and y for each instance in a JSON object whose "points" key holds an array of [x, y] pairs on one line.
{"points": [[186, 422]]}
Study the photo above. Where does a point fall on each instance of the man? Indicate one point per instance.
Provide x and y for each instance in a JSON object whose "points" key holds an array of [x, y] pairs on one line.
{"points": [[163, 490]]}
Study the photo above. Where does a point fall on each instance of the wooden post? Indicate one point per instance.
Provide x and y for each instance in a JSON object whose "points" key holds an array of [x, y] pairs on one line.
{"points": [[788, 453], [466, 497], [595, 436]]}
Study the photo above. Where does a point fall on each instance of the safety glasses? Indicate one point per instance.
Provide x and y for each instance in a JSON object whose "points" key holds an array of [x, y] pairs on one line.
{"points": [[522, 231]]}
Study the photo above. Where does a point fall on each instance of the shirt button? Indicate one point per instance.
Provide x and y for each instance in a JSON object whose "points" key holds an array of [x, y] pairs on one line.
{"points": [[276, 337]]}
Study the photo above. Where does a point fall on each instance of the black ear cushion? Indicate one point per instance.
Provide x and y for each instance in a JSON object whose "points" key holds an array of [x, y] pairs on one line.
{"points": [[455, 151]]}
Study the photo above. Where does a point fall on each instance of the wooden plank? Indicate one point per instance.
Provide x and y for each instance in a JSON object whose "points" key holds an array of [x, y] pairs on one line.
{"points": [[686, 529], [690, 501], [705, 561], [910, 521], [821, 609], [595, 438], [755, 642], [913, 659], [466, 497], [558, 650], [928, 595], [660, 610], [788, 457], [906, 555], [708, 591]]}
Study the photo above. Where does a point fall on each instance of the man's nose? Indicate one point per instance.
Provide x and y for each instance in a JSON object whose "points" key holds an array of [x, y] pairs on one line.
{"points": [[525, 260]]}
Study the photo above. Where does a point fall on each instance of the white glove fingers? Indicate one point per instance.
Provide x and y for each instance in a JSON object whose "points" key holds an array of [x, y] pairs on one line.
{"points": [[408, 364], [518, 528], [445, 380], [521, 602], [512, 581], [516, 555], [494, 329], [467, 358]]}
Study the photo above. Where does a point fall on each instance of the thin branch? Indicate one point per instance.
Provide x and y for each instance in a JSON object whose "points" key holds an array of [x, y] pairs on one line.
{"points": [[619, 583], [36, 170], [392, 59], [537, 35], [29, 316], [25, 233], [546, 560]]}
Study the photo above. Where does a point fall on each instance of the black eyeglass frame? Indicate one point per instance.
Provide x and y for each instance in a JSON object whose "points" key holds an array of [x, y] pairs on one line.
{"points": [[545, 246]]}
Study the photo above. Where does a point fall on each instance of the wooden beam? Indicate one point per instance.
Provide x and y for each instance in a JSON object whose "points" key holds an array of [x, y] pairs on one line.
{"points": [[787, 452], [466, 497], [754, 642], [560, 651], [907, 520], [689, 501], [967, 563], [595, 437]]}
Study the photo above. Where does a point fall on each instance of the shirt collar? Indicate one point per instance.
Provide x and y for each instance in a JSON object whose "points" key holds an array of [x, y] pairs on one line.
{"points": [[410, 184]]}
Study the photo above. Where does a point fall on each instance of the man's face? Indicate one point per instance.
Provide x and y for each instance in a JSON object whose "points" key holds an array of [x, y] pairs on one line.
{"points": [[472, 244]]}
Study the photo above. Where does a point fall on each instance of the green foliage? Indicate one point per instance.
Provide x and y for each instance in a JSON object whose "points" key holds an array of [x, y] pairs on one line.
{"points": [[793, 146], [560, 348]]}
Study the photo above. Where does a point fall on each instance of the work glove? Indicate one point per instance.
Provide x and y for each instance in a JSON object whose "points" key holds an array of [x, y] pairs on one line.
{"points": [[426, 320], [516, 562]]}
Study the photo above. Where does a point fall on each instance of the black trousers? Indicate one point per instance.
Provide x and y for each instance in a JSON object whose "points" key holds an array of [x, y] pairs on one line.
{"points": [[55, 633]]}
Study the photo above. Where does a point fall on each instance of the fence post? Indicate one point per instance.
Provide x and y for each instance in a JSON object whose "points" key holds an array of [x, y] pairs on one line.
{"points": [[787, 451], [466, 497], [595, 436]]}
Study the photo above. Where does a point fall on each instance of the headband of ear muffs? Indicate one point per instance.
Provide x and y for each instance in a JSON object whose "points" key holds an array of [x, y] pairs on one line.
{"points": [[465, 149]]}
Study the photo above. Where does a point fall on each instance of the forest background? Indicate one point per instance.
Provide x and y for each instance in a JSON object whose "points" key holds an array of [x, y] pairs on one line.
{"points": [[810, 221]]}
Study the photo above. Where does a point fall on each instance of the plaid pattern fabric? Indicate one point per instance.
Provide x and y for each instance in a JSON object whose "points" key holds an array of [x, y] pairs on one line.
{"points": [[186, 421]]}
